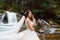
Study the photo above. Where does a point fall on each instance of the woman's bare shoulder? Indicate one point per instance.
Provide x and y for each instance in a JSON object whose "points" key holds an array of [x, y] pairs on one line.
{"points": [[27, 20]]}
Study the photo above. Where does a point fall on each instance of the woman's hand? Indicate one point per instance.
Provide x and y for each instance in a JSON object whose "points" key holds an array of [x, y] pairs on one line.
{"points": [[34, 21], [33, 17], [32, 29]]}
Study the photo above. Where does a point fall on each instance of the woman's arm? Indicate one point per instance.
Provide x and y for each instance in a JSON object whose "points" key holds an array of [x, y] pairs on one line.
{"points": [[34, 22], [30, 25]]}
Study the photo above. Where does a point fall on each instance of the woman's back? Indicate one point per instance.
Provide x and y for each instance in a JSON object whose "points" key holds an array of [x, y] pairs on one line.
{"points": [[26, 22]]}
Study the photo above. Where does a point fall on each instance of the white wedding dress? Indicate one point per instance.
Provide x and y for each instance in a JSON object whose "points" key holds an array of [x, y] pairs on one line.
{"points": [[29, 35]]}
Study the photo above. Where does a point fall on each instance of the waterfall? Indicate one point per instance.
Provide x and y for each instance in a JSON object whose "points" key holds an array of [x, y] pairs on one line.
{"points": [[10, 30], [12, 27]]}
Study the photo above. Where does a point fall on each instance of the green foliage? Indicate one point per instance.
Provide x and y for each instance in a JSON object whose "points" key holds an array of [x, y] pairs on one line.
{"points": [[1, 10], [41, 7], [18, 8], [35, 11]]}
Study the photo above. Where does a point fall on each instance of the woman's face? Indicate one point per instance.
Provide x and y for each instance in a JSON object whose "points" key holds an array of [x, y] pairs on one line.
{"points": [[30, 14]]}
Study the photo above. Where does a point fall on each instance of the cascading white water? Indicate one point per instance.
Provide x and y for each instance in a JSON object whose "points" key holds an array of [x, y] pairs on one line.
{"points": [[10, 31], [12, 17], [12, 27]]}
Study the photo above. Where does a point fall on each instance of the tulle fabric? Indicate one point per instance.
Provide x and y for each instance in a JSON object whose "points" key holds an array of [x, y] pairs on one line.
{"points": [[29, 35]]}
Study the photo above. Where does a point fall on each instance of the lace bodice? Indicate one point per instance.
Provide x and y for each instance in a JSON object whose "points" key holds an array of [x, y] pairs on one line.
{"points": [[27, 23]]}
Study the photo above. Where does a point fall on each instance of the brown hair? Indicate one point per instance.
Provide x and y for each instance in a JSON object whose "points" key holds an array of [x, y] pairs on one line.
{"points": [[26, 13]]}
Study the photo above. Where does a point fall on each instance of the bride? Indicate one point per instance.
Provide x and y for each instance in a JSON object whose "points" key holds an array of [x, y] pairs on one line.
{"points": [[30, 34]]}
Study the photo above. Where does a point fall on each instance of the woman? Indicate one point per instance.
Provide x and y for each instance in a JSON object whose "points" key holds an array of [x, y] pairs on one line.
{"points": [[30, 34]]}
